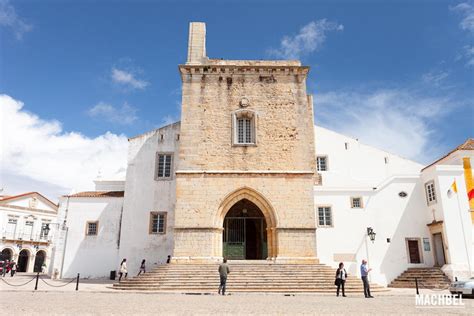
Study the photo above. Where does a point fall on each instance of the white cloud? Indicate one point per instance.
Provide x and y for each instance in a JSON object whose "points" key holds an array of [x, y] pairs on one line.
{"points": [[398, 121], [127, 79], [309, 39], [169, 119], [469, 54], [10, 19], [37, 149], [467, 11], [435, 77], [125, 115]]}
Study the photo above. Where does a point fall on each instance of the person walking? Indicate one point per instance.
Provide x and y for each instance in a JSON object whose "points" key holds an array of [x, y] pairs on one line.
{"points": [[364, 272], [223, 272], [123, 269], [142, 267], [5, 267], [341, 276], [168, 260], [13, 269]]}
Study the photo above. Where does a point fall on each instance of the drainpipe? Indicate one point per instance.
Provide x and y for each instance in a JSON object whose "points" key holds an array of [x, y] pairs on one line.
{"points": [[65, 238]]}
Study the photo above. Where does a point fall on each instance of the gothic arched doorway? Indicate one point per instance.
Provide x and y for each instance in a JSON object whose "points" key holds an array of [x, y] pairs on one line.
{"points": [[245, 232], [39, 260], [23, 259], [7, 254]]}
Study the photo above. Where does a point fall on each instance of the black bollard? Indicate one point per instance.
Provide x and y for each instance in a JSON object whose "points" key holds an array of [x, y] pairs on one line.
{"points": [[77, 283], [37, 278], [416, 284]]}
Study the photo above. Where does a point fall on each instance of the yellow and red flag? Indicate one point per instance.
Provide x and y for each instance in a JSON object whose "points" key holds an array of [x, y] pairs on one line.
{"points": [[469, 181]]}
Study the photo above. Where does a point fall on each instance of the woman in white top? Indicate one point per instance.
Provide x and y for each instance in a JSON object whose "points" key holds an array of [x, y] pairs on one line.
{"points": [[123, 269], [341, 276]]}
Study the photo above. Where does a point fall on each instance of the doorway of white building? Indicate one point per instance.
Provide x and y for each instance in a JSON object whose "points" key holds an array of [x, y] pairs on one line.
{"points": [[440, 259], [39, 260], [413, 247], [23, 259], [6, 254]]}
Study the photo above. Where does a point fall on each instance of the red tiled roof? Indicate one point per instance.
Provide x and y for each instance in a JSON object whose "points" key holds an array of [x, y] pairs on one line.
{"points": [[98, 194], [467, 145]]}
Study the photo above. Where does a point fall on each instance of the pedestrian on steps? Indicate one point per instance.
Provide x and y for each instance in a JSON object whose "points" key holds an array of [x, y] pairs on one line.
{"points": [[223, 272], [123, 269], [341, 276], [142, 267], [364, 273]]}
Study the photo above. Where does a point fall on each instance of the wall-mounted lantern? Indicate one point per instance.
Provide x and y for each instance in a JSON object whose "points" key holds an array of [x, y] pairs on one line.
{"points": [[371, 233]]}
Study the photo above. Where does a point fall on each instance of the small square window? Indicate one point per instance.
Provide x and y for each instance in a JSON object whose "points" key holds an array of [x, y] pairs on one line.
{"points": [[92, 228], [321, 163], [157, 223], [356, 202], [324, 216]]}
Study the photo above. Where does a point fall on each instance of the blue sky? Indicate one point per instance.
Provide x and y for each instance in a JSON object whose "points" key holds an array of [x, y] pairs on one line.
{"points": [[395, 74]]}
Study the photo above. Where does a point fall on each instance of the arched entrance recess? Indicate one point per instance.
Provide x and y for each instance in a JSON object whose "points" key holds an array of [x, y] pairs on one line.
{"points": [[23, 259], [7, 254], [39, 260], [248, 225]]}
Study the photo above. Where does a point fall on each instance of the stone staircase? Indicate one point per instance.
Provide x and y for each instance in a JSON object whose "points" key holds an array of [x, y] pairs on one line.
{"points": [[428, 278], [244, 277]]}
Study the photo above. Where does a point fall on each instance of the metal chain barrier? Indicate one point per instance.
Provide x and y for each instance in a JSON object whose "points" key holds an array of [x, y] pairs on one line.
{"points": [[18, 284], [73, 280]]}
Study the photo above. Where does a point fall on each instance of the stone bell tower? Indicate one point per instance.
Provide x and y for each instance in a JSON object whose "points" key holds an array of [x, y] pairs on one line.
{"points": [[246, 167]]}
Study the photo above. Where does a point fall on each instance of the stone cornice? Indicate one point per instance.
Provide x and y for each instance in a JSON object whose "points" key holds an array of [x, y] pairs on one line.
{"points": [[238, 172], [243, 69]]}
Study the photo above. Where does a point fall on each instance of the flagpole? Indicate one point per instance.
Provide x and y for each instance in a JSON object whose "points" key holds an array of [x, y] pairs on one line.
{"points": [[463, 232]]}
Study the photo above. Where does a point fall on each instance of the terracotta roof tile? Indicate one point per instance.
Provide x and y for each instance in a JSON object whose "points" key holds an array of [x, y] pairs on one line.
{"points": [[98, 194]]}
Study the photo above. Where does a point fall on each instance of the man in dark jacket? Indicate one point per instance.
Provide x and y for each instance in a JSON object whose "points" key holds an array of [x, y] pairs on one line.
{"points": [[223, 272]]}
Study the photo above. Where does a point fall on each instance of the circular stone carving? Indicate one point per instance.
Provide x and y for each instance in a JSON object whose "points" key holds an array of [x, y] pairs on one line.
{"points": [[402, 194], [244, 102]]}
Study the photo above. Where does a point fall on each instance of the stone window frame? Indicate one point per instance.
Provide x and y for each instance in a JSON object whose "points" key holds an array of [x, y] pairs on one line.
{"points": [[252, 115], [361, 202], [330, 213], [165, 222], [325, 162], [88, 230], [157, 159], [430, 193]]}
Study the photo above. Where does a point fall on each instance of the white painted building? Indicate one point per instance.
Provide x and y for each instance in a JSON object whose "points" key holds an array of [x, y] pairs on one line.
{"points": [[28, 226]]}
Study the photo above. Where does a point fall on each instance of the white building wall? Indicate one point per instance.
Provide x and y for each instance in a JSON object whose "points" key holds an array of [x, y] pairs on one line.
{"points": [[453, 209], [91, 256], [144, 194], [378, 177]]}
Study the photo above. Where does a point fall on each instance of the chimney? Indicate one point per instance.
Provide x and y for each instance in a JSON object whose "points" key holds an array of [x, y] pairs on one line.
{"points": [[197, 43]]}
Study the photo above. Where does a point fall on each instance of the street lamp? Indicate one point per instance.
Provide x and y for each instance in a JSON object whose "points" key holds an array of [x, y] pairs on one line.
{"points": [[46, 229], [371, 234]]}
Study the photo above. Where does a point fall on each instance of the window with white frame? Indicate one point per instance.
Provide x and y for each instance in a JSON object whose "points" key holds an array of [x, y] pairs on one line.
{"points": [[11, 227], [244, 127], [430, 192], [27, 233], [322, 163], [356, 202], [163, 165], [324, 216], [157, 223], [92, 228]]}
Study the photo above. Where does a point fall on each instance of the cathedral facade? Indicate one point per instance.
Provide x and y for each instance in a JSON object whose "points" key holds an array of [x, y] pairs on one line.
{"points": [[246, 175]]}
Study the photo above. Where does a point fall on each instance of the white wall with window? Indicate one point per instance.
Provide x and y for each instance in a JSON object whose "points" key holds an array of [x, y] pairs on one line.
{"points": [[92, 244], [148, 194]]}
